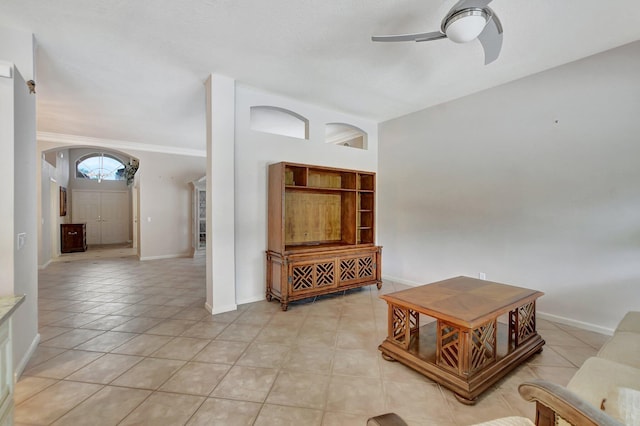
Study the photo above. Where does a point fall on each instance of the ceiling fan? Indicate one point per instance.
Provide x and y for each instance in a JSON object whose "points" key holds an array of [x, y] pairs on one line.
{"points": [[466, 21]]}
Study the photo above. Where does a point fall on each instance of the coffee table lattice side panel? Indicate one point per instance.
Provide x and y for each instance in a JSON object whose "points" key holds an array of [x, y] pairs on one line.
{"points": [[464, 351], [483, 346], [448, 347], [522, 323], [403, 323]]}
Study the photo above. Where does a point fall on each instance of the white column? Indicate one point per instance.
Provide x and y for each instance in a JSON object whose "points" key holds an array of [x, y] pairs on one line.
{"points": [[220, 277]]}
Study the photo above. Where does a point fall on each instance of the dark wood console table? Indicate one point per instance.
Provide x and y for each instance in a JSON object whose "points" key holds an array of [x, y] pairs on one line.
{"points": [[73, 237]]}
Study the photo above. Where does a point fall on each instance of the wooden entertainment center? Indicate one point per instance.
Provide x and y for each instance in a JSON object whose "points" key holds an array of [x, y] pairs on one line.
{"points": [[321, 231]]}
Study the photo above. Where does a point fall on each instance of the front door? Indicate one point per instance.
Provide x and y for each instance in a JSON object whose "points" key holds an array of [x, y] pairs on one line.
{"points": [[106, 214]]}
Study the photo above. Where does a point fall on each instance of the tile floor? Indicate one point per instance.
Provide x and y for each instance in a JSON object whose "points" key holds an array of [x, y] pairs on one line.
{"points": [[126, 342]]}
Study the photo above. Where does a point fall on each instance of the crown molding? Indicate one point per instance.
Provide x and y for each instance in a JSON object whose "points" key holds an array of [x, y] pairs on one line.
{"points": [[117, 144]]}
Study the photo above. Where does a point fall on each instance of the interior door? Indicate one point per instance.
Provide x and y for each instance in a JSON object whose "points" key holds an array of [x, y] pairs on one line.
{"points": [[85, 208], [114, 217]]}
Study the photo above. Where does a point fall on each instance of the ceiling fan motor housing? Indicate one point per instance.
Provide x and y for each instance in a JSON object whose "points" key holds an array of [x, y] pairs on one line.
{"points": [[465, 25]]}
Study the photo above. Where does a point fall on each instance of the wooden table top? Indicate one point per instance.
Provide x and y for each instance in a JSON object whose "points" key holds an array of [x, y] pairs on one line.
{"points": [[463, 301]]}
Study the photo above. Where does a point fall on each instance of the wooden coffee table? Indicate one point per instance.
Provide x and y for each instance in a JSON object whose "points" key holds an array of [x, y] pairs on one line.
{"points": [[465, 349]]}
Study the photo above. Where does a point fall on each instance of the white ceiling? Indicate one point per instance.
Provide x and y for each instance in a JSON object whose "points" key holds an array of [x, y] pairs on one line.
{"points": [[134, 70]]}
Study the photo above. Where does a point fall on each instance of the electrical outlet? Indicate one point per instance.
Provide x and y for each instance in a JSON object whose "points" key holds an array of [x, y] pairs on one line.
{"points": [[482, 276]]}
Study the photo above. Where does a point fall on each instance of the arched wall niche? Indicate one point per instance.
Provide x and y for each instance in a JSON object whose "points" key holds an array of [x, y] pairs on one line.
{"points": [[346, 135], [279, 121]]}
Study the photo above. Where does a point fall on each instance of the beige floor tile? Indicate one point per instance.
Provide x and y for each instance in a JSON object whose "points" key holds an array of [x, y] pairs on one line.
{"points": [[193, 314], [239, 332], [560, 337], [549, 357], [105, 369], [331, 418], [309, 360], [558, 375], [577, 355], [72, 338], [171, 327], [264, 355], [104, 408], [595, 340], [356, 362], [29, 386], [77, 320], [137, 325], [108, 308], [422, 402], [221, 352], [144, 345], [204, 330], [246, 383], [53, 402], [42, 354], [183, 348], [64, 364], [107, 341], [225, 412], [196, 378], [49, 332], [107, 323], [288, 416], [164, 409], [489, 406], [149, 373], [134, 310], [317, 339], [349, 339], [396, 372], [356, 395], [163, 312], [287, 335], [299, 390]]}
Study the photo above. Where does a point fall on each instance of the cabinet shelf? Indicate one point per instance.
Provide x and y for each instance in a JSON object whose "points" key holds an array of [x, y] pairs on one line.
{"points": [[320, 231]]}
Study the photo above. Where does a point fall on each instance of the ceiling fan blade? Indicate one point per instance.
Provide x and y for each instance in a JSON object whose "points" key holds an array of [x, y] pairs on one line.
{"points": [[410, 37], [491, 38], [465, 4]]}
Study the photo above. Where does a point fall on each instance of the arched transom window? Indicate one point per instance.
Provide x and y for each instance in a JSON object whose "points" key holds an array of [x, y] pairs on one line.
{"points": [[100, 166]]}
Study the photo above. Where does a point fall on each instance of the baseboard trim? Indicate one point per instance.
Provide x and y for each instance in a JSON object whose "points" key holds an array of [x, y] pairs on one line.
{"points": [[401, 281], [251, 300], [220, 309], [27, 356], [41, 267], [164, 256], [575, 323]]}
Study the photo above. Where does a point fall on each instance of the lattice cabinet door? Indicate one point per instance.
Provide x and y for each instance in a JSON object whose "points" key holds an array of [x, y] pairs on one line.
{"points": [[355, 269], [307, 277]]}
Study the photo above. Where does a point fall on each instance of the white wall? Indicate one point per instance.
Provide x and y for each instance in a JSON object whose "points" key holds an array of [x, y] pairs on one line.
{"points": [[18, 177], [25, 320], [536, 183], [254, 151], [59, 175], [166, 198]]}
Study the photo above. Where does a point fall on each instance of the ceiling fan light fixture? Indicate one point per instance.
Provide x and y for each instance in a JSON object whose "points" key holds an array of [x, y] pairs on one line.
{"points": [[465, 25]]}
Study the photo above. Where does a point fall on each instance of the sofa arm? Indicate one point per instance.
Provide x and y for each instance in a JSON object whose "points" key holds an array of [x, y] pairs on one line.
{"points": [[552, 399]]}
